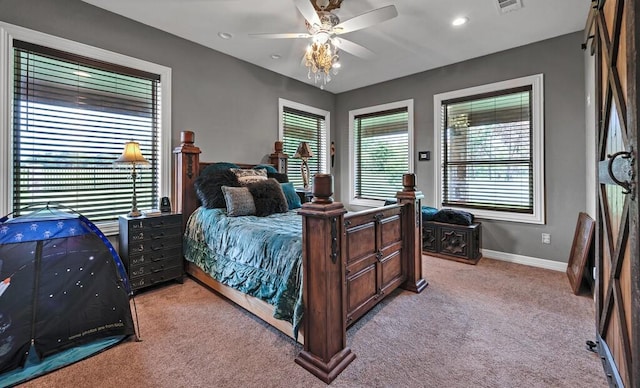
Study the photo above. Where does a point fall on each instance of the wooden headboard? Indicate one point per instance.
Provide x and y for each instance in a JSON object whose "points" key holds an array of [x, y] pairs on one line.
{"points": [[188, 167]]}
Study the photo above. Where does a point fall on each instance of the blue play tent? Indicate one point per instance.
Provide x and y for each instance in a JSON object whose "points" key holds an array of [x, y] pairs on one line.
{"points": [[64, 293]]}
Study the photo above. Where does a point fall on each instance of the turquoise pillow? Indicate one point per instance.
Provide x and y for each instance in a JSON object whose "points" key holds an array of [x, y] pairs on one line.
{"points": [[267, 167], [290, 194], [428, 213]]}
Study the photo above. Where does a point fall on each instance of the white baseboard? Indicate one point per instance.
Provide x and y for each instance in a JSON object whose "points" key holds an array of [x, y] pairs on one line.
{"points": [[526, 260]]}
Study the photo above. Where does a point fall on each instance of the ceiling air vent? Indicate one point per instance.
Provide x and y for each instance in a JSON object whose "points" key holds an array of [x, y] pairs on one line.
{"points": [[505, 6]]}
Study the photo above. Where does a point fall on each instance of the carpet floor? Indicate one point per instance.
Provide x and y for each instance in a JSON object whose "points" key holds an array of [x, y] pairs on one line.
{"points": [[495, 324]]}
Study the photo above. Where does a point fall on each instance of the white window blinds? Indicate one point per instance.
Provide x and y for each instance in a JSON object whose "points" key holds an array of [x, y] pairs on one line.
{"points": [[71, 118], [299, 126], [381, 153], [487, 157]]}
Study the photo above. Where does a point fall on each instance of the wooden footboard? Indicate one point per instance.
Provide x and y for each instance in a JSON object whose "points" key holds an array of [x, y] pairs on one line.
{"points": [[350, 261], [373, 259]]}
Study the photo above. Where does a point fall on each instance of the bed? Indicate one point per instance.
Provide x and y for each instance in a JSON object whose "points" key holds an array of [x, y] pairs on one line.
{"points": [[346, 263]]}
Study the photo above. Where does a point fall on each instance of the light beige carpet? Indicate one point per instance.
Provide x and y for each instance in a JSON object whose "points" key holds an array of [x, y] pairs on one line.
{"points": [[492, 325]]}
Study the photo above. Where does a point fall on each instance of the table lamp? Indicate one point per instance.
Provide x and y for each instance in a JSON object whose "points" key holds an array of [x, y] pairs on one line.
{"points": [[304, 152], [132, 157]]}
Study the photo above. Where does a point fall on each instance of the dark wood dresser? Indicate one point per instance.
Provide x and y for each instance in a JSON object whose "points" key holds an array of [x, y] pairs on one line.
{"points": [[151, 248]]}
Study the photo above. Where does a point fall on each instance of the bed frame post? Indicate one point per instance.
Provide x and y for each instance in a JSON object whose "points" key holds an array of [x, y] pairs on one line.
{"points": [[187, 169], [410, 199], [325, 351], [278, 158]]}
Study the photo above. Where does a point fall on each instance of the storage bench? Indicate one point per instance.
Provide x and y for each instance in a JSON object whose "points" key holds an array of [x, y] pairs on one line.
{"points": [[452, 241]]}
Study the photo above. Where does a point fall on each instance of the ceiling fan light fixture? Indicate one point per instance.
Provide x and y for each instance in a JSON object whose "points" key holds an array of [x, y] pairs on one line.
{"points": [[321, 37], [323, 27], [320, 59]]}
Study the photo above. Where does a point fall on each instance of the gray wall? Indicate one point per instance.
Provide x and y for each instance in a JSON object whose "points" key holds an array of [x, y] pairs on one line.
{"points": [[231, 105], [562, 63]]}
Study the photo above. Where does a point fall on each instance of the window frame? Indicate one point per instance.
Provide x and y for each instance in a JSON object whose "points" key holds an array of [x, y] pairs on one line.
{"points": [[537, 137], [408, 104], [282, 103], [8, 33]]}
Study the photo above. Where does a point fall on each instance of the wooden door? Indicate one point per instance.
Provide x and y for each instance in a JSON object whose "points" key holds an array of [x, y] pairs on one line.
{"points": [[615, 38]]}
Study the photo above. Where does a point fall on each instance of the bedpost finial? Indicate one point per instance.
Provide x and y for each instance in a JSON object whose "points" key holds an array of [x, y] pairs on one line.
{"points": [[322, 188], [187, 137], [278, 146], [409, 182]]}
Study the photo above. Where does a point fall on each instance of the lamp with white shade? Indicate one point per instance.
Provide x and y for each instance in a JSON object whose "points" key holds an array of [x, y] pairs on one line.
{"points": [[132, 157]]}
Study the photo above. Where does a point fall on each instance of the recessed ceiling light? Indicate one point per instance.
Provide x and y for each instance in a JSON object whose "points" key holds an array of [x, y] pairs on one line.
{"points": [[225, 35], [275, 56], [459, 21]]}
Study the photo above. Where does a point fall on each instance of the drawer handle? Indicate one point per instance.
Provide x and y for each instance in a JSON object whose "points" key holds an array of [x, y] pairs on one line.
{"points": [[158, 270], [155, 237], [159, 258]]}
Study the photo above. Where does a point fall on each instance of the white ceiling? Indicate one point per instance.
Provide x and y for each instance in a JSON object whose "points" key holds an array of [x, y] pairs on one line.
{"points": [[419, 39]]}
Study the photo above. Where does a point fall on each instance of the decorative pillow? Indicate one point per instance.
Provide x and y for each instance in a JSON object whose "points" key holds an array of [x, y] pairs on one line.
{"points": [[268, 197], [293, 200], [246, 176], [208, 187], [428, 213], [239, 201], [280, 177], [451, 216], [218, 166], [267, 167]]}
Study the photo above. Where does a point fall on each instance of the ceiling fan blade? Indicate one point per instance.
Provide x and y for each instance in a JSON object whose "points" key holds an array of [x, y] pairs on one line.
{"points": [[290, 35], [306, 9], [352, 48], [366, 19]]}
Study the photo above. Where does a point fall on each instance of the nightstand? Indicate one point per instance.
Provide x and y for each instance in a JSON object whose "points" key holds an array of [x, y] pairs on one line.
{"points": [[306, 195], [151, 248]]}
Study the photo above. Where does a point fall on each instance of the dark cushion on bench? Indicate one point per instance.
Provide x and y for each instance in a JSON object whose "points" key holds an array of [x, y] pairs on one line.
{"points": [[451, 216]]}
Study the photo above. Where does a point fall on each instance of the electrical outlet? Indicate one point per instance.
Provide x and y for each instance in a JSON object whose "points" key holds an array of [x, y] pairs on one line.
{"points": [[546, 238]]}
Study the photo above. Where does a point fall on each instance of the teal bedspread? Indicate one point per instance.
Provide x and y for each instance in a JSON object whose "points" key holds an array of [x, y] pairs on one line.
{"points": [[260, 256]]}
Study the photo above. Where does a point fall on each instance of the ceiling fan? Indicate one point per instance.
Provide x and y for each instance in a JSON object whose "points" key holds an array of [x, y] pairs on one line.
{"points": [[324, 27]]}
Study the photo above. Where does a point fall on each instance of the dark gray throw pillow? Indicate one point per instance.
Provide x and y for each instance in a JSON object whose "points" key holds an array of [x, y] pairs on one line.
{"points": [[268, 197], [209, 187], [451, 216]]}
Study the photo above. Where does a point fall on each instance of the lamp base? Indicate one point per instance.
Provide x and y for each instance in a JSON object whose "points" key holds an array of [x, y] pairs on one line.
{"points": [[135, 213]]}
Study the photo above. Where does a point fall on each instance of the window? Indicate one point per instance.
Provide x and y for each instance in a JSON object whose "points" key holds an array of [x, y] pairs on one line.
{"points": [[490, 141], [381, 139], [304, 123], [70, 116]]}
